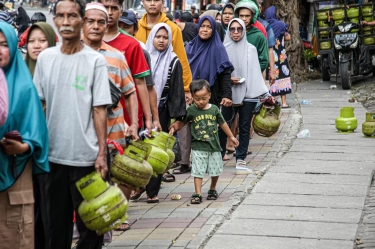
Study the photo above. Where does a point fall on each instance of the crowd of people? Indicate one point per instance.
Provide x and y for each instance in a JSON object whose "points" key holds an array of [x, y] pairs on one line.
{"points": [[198, 80]]}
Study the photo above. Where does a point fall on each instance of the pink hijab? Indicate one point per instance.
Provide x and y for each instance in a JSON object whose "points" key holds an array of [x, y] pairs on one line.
{"points": [[3, 98]]}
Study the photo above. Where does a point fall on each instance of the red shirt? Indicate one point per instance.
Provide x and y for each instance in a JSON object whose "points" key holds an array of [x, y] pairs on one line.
{"points": [[135, 58], [259, 26]]}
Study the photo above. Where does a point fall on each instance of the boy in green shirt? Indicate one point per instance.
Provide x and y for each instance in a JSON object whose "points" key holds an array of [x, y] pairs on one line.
{"points": [[205, 145]]}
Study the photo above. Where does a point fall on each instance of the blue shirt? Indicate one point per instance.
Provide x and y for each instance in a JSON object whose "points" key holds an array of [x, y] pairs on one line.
{"points": [[271, 39]]}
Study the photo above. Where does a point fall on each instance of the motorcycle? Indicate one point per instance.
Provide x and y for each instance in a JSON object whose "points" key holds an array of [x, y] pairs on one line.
{"points": [[352, 58]]}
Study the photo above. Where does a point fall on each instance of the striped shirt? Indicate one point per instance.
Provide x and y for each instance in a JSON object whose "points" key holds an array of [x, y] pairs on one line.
{"points": [[119, 72], [5, 17]]}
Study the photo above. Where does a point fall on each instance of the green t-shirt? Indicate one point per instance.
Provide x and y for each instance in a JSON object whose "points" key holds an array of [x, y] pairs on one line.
{"points": [[204, 127]]}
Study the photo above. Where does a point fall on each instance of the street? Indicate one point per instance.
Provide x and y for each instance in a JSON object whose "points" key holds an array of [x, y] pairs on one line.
{"points": [[314, 192]]}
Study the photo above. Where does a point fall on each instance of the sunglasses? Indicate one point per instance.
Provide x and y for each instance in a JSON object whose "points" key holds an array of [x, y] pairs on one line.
{"points": [[233, 30]]}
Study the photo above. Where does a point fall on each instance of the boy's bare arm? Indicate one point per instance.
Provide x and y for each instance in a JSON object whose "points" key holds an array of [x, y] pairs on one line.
{"points": [[227, 131]]}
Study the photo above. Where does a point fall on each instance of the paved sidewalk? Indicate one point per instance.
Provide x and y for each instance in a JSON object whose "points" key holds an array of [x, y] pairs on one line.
{"points": [[173, 224], [313, 197]]}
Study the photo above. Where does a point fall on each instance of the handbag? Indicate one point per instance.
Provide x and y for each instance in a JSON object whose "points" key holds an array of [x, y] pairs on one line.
{"points": [[13, 135], [115, 94]]}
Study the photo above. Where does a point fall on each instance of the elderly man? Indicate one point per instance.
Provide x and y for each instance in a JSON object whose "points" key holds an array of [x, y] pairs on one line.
{"points": [[72, 82], [94, 27]]}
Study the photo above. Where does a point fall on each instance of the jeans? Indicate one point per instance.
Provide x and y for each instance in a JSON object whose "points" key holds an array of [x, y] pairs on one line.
{"points": [[245, 113]]}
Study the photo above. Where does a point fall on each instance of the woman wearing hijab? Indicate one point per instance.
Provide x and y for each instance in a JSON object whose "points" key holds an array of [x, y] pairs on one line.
{"points": [[282, 85], [22, 20], [167, 75], [20, 155], [207, 63], [40, 37], [248, 87], [227, 15], [219, 27]]}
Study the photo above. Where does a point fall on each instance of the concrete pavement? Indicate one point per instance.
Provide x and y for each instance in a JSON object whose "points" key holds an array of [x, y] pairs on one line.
{"points": [[313, 197]]}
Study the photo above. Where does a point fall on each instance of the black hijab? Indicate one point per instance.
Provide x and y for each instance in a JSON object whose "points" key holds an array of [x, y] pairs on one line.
{"points": [[22, 20]]}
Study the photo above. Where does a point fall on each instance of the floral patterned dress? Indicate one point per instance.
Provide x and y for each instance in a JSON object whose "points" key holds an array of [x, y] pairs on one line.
{"points": [[282, 84]]}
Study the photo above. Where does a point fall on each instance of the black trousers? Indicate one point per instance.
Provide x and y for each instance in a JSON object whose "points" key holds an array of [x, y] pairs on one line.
{"points": [[64, 198], [41, 213], [153, 187]]}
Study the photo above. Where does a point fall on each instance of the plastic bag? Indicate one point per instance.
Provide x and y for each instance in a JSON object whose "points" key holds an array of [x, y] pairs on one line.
{"points": [[177, 151]]}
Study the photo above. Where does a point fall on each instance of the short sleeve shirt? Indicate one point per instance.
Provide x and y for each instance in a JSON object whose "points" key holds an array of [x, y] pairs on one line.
{"points": [[119, 72], [133, 53], [204, 127], [72, 85]]}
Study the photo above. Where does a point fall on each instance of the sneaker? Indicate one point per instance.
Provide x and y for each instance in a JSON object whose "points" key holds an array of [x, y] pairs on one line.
{"points": [[241, 168]]}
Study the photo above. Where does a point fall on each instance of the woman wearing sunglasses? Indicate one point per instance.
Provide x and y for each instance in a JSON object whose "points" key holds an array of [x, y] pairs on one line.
{"points": [[248, 87]]}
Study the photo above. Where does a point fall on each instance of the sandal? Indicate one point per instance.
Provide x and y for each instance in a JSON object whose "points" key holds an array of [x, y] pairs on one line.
{"points": [[182, 169], [285, 107], [226, 157], [153, 199], [125, 226], [230, 151], [138, 194], [212, 195], [168, 178], [196, 199]]}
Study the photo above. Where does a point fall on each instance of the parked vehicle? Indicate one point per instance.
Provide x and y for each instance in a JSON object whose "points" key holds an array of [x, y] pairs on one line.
{"points": [[345, 46]]}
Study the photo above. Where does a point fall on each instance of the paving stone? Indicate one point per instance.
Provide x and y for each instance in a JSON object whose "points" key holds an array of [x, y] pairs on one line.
{"points": [[310, 189], [317, 178], [297, 213], [294, 200], [278, 228], [262, 242]]}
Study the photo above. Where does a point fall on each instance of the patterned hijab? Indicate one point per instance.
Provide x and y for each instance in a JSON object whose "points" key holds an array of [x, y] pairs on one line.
{"points": [[51, 38], [244, 57], [160, 61]]}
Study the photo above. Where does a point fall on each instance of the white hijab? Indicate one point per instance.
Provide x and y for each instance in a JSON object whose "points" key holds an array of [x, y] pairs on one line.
{"points": [[160, 61], [244, 57]]}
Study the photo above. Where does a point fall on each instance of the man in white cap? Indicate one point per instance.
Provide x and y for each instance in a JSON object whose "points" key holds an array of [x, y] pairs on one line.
{"points": [[72, 82]]}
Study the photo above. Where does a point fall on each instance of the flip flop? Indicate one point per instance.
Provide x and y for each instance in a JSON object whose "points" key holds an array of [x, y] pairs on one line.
{"points": [[230, 151], [166, 176], [285, 107], [138, 196], [226, 158], [150, 200], [182, 169]]}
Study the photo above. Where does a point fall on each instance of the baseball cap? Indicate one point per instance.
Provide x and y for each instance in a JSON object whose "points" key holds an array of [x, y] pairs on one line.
{"points": [[128, 17]]}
